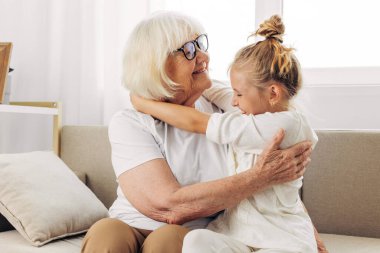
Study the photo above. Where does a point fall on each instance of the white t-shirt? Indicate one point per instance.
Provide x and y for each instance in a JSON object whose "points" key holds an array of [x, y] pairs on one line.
{"points": [[137, 138], [274, 218]]}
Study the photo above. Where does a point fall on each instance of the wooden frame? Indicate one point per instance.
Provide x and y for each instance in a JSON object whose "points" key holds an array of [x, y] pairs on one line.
{"points": [[44, 108], [5, 56]]}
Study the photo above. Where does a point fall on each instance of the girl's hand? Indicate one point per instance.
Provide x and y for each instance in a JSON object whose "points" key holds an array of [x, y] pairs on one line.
{"points": [[276, 166], [321, 246], [137, 102]]}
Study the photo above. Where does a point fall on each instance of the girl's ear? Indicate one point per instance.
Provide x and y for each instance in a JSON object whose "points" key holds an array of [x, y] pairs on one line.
{"points": [[275, 94]]}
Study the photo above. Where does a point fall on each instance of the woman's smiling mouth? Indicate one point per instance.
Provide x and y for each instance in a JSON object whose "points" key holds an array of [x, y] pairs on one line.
{"points": [[201, 70]]}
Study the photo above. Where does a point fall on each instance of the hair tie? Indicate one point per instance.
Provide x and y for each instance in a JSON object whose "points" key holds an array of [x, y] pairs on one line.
{"points": [[278, 39]]}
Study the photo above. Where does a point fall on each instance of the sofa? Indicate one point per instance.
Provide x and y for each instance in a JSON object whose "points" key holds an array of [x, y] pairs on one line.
{"points": [[341, 188]]}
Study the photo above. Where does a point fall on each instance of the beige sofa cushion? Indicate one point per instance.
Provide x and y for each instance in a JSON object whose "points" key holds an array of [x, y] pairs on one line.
{"points": [[341, 186], [43, 199], [13, 242], [87, 149], [350, 244]]}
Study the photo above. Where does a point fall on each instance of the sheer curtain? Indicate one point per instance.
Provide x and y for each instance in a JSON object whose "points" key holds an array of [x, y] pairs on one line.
{"points": [[68, 51]]}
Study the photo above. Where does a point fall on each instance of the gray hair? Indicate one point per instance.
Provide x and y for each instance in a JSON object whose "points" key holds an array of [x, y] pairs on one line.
{"points": [[148, 48]]}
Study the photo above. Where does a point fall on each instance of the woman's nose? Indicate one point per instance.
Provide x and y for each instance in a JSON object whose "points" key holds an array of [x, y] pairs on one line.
{"points": [[202, 56]]}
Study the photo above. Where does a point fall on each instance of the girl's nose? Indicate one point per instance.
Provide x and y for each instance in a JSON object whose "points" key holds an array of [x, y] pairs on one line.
{"points": [[234, 102]]}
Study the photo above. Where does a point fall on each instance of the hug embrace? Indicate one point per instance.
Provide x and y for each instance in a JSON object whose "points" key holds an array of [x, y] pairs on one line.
{"points": [[203, 166]]}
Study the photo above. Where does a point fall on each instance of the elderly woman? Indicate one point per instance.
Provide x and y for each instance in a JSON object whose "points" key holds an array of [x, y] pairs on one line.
{"points": [[171, 180]]}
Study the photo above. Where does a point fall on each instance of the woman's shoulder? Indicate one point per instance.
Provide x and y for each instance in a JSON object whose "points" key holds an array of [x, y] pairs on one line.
{"points": [[128, 119], [130, 115]]}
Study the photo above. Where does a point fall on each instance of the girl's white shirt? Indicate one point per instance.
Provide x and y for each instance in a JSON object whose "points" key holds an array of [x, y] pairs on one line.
{"points": [[274, 218]]}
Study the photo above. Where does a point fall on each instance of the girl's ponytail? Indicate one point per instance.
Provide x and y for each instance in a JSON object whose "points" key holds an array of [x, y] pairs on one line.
{"points": [[270, 59]]}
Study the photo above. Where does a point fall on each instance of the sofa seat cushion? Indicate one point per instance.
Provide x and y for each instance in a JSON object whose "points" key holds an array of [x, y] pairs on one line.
{"points": [[350, 244], [13, 242]]}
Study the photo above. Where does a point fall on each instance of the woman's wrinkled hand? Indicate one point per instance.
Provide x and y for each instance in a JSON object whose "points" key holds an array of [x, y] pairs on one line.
{"points": [[276, 166]]}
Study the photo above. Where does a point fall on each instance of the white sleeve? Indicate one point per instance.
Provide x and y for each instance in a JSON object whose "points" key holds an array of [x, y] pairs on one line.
{"points": [[249, 132], [295, 125], [131, 142], [233, 128], [221, 95]]}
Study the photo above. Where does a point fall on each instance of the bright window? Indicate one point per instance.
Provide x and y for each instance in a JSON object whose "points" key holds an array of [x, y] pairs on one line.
{"points": [[339, 33], [228, 25]]}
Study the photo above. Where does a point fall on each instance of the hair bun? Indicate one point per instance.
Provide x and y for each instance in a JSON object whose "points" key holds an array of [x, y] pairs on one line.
{"points": [[272, 28]]}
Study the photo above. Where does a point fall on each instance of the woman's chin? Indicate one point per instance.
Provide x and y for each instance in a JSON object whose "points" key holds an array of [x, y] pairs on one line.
{"points": [[204, 79]]}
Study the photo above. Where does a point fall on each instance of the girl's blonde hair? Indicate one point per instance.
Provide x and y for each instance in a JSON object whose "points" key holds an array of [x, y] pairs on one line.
{"points": [[148, 48], [269, 60]]}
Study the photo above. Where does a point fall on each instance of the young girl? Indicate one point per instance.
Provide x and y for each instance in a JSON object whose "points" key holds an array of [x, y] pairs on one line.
{"points": [[264, 77]]}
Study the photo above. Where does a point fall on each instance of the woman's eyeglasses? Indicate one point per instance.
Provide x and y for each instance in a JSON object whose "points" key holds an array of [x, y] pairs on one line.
{"points": [[189, 48]]}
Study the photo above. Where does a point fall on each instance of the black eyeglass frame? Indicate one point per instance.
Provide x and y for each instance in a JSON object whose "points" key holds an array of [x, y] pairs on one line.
{"points": [[196, 45]]}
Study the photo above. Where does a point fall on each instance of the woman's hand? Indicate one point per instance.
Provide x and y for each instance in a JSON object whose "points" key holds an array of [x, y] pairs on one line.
{"points": [[276, 166]]}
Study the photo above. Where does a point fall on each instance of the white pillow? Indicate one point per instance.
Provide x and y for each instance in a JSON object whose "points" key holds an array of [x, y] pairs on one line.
{"points": [[43, 199]]}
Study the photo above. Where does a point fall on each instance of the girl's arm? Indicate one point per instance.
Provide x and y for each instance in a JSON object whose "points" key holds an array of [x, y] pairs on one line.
{"points": [[183, 117], [221, 95]]}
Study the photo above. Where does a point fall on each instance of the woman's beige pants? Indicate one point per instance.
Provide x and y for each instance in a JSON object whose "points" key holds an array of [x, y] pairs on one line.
{"points": [[114, 236]]}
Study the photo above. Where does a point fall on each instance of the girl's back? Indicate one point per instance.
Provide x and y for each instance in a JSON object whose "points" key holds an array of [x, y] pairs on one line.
{"points": [[274, 218]]}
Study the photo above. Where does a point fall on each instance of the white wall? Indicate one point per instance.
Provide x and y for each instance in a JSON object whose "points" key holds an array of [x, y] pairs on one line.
{"points": [[342, 98], [342, 107], [335, 98], [68, 51], [34, 26], [26, 26]]}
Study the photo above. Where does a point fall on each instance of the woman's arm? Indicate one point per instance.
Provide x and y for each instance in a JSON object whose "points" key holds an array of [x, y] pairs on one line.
{"points": [[157, 194], [183, 117]]}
